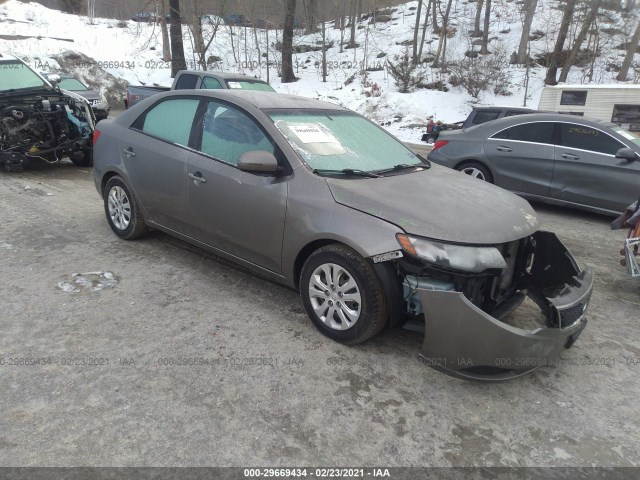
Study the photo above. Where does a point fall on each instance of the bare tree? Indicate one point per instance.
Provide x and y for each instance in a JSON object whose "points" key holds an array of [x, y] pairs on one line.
{"points": [[633, 47], [352, 23], [287, 42], [442, 42], [552, 69], [476, 24], [324, 51], [166, 47], [530, 9], [586, 25], [175, 33], [484, 48], [424, 28], [311, 14], [416, 29]]}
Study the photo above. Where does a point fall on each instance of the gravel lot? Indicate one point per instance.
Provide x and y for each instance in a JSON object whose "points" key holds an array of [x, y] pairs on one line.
{"points": [[270, 390]]}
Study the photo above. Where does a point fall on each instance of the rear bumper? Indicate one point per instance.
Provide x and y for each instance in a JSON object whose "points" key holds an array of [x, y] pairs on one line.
{"points": [[466, 342]]}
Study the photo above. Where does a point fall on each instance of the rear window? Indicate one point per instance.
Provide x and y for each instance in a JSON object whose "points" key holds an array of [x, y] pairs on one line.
{"points": [[186, 81], [483, 117], [210, 83]]}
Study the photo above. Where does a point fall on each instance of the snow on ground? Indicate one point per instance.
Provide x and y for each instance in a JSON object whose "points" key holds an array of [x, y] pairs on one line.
{"points": [[132, 51]]}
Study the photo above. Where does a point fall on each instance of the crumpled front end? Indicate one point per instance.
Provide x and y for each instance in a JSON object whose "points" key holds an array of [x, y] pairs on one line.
{"points": [[469, 327]]}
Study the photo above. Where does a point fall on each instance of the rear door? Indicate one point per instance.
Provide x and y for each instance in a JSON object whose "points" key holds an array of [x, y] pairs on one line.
{"points": [[587, 171], [522, 157], [154, 153], [240, 213]]}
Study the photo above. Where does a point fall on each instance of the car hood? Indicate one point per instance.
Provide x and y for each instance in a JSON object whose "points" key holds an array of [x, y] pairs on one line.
{"points": [[441, 204]]}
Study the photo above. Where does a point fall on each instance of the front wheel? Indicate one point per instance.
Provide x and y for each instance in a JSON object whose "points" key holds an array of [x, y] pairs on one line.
{"points": [[476, 170], [82, 158], [122, 210], [342, 295]]}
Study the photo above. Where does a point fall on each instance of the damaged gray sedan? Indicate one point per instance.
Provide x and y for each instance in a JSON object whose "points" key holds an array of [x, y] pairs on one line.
{"points": [[320, 199]]}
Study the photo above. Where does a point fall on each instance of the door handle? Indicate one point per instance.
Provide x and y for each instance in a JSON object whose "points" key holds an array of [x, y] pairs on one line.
{"points": [[129, 152], [197, 177], [568, 156], [504, 149]]}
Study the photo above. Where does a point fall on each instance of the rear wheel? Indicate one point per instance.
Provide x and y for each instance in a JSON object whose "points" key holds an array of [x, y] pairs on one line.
{"points": [[342, 295], [476, 170], [123, 213]]}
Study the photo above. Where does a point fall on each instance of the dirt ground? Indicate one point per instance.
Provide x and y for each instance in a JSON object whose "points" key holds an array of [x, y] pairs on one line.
{"points": [[161, 354]]}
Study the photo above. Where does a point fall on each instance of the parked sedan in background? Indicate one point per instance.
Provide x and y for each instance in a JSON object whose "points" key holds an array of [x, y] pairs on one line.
{"points": [[552, 158], [320, 199], [98, 102]]}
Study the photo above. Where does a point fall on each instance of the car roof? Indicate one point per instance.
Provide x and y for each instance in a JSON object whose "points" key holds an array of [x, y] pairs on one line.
{"points": [[261, 100], [538, 117], [250, 100], [223, 75], [506, 109]]}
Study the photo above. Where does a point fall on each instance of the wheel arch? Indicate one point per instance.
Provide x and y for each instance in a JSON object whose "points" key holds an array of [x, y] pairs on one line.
{"points": [[386, 273]]}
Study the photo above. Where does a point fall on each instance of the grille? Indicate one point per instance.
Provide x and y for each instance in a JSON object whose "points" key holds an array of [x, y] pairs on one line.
{"points": [[95, 102], [571, 315]]}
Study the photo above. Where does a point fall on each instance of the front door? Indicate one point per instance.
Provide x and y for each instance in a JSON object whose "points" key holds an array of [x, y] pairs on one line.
{"points": [[240, 213], [587, 171]]}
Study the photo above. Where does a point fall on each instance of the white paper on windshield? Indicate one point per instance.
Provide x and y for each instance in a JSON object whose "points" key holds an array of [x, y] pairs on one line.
{"points": [[626, 135], [234, 84], [312, 133]]}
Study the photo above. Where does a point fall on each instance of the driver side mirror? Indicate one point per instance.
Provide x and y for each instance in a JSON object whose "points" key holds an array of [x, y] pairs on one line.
{"points": [[258, 161], [627, 154], [54, 79]]}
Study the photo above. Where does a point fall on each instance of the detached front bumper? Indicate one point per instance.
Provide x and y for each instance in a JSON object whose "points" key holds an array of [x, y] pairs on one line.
{"points": [[466, 342]]}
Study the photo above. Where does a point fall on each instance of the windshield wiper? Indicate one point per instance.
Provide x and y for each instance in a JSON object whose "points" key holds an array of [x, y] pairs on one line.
{"points": [[346, 171], [401, 166]]}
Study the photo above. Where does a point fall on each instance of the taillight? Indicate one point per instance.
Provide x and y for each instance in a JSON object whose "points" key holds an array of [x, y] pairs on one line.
{"points": [[439, 144], [96, 136]]}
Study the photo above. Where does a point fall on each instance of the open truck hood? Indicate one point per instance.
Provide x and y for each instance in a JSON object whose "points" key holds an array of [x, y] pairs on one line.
{"points": [[441, 204]]}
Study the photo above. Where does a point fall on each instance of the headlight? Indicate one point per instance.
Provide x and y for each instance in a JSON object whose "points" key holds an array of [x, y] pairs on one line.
{"points": [[103, 99], [456, 257]]}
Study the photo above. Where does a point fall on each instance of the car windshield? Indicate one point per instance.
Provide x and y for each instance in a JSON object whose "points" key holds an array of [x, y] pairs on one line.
{"points": [[15, 75], [628, 135], [249, 85], [72, 84], [336, 140]]}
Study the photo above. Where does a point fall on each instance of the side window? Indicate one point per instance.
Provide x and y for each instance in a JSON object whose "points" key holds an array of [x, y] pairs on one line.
{"points": [[186, 81], [538, 132], [587, 138], [210, 83], [171, 120], [482, 117], [573, 97], [227, 133]]}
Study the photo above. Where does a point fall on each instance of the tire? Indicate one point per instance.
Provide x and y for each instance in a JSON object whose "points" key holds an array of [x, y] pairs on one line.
{"points": [[476, 170], [82, 159], [356, 279], [122, 210], [431, 139]]}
